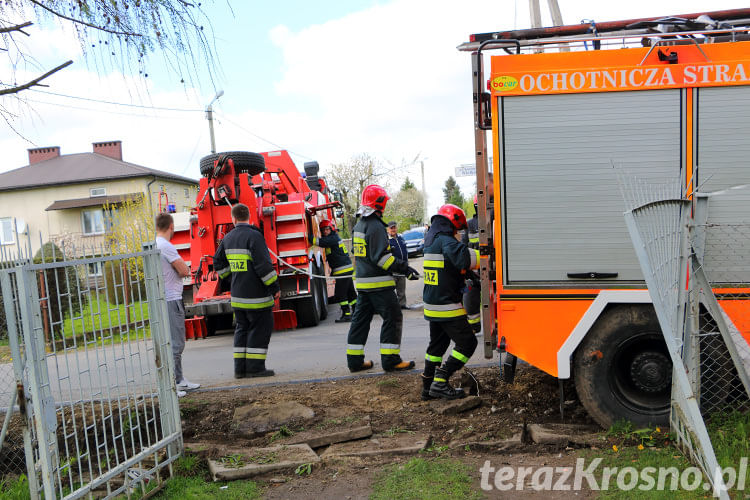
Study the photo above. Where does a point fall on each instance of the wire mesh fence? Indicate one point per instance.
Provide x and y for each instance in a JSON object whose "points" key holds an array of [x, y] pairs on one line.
{"points": [[697, 269], [98, 406]]}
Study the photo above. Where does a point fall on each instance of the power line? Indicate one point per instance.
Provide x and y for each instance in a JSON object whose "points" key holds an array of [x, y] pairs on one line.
{"points": [[113, 103], [69, 106]]}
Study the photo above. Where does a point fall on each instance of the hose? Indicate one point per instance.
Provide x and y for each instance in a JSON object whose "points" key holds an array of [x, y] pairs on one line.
{"points": [[297, 270]]}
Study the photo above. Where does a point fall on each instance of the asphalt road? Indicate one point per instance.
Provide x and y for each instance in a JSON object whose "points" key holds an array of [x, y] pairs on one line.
{"points": [[310, 353]]}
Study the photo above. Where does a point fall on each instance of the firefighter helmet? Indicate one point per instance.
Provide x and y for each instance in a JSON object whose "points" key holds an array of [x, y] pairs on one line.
{"points": [[475, 199], [453, 214], [326, 223], [375, 197]]}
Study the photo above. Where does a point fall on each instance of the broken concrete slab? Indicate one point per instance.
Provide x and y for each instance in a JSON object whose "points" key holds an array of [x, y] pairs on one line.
{"points": [[380, 445], [563, 434], [346, 430], [255, 420], [455, 406], [512, 443], [249, 462]]}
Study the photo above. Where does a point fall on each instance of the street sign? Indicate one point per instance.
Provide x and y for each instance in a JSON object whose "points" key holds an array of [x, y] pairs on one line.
{"points": [[466, 170]]}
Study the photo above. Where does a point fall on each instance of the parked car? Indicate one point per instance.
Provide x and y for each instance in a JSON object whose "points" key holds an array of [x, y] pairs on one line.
{"points": [[414, 239]]}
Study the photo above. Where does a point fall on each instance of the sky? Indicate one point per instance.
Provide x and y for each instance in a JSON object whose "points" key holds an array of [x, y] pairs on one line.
{"points": [[325, 80]]}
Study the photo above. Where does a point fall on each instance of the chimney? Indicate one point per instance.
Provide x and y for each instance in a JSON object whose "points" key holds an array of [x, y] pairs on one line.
{"points": [[113, 149], [40, 154]]}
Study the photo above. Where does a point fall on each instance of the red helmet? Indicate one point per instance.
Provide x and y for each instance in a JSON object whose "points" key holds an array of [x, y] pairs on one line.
{"points": [[475, 199], [327, 223], [375, 197], [453, 214]]}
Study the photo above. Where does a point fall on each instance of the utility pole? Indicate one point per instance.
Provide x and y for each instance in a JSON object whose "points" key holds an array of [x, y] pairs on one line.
{"points": [[210, 118], [424, 196]]}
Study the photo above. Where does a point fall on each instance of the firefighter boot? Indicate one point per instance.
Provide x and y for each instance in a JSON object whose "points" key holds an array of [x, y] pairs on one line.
{"points": [[440, 387], [346, 314], [426, 383]]}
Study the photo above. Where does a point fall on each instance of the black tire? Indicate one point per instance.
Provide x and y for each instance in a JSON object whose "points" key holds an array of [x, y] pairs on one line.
{"points": [[244, 161], [623, 369], [308, 308], [323, 291]]}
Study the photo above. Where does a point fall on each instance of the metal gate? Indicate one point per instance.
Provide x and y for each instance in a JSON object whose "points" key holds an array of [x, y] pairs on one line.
{"points": [[94, 380]]}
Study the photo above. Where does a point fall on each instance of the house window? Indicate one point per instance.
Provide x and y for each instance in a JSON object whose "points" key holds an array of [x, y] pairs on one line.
{"points": [[187, 193], [95, 268], [6, 231], [100, 191], [92, 221]]}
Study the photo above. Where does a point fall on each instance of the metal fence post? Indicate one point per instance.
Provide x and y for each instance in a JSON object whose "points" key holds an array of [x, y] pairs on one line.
{"points": [[44, 416], [18, 368], [169, 409]]}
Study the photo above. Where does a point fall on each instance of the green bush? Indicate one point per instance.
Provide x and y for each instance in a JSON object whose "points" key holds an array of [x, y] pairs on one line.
{"points": [[62, 286], [113, 278]]}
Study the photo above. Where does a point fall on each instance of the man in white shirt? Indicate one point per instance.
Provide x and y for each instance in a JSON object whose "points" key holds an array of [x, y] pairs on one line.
{"points": [[174, 269]]}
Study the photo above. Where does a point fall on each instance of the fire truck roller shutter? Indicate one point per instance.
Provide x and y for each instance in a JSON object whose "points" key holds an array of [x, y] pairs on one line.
{"points": [[563, 207], [244, 161]]}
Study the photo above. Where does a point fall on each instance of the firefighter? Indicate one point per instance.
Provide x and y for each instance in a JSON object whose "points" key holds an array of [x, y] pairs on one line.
{"points": [[243, 254], [375, 286], [341, 266], [472, 299], [446, 263]]}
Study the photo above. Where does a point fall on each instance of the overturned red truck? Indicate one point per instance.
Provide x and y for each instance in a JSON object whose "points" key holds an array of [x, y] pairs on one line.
{"points": [[287, 206]]}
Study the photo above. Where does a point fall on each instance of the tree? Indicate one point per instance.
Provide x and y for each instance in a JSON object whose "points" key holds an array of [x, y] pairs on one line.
{"points": [[350, 179], [452, 192], [406, 208], [113, 34], [407, 185]]}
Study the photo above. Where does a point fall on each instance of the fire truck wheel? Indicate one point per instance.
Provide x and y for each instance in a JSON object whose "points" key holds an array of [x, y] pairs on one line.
{"points": [[322, 291], [623, 369], [244, 161], [308, 309]]}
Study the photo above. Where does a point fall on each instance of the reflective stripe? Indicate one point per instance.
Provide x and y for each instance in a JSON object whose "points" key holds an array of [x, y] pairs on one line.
{"points": [[473, 320], [388, 262], [376, 282], [352, 302], [260, 303], [342, 269], [223, 273], [344, 302], [255, 356], [240, 349], [434, 256], [434, 359], [459, 356], [358, 235], [434, 263], [474, 255], [355, 349], [384, 259], [254, 350], [237, 251], [444, 310], [269, 278], [390, 348], [315, 241], [438, 379], [239, 355]]}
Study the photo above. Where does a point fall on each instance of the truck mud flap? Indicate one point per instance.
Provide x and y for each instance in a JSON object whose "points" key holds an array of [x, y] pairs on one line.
{"points": [[284, 319]]}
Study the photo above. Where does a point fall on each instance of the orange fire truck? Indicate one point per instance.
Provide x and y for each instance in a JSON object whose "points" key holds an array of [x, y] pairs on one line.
{"points": [[561, 285]]}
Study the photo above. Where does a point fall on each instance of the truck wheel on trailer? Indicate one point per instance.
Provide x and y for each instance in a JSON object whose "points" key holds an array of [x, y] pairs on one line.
{"points": [[244, 161], [623, 369]]}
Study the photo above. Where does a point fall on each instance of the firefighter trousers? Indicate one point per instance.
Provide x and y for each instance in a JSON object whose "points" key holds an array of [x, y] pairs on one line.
{"points": [[345, 293], [472, 303], [252, 334], [385, 304], [441, 334]]}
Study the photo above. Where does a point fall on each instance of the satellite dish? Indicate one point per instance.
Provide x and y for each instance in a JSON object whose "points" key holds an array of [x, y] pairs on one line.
{"points": [[20, 226]]}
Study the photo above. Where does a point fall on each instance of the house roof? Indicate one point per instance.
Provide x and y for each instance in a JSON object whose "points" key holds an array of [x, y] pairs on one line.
{"points": [[94, 201], [79, 168]]}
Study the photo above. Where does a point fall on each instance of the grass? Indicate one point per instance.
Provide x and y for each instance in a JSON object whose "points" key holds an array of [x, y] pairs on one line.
{"points": [[99, 316], [422, 479], [196, 488], [389, 382], [335, 422], [15, 490], [283, 432]]}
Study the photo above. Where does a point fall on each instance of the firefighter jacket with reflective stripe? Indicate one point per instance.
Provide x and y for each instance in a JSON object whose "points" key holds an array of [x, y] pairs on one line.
{"points": [[446, 261], [471, 234], [243, 253], [336, 254], [373, 260]]}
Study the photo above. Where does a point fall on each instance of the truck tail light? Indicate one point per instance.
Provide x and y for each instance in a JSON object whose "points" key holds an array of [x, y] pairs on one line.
{"points": [[301, 259]]}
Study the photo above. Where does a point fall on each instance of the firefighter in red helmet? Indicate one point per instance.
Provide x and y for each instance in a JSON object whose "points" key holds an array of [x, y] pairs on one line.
{"points": [[341, 268], [446, 263], [375, 286]]}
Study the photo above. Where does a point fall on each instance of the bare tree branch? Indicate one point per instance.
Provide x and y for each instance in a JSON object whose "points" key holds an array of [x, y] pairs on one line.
{"points": [[80, 21], [17, 27], [35, 81]]}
